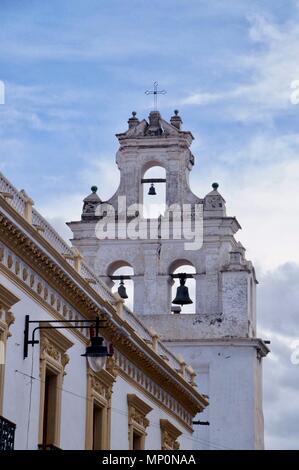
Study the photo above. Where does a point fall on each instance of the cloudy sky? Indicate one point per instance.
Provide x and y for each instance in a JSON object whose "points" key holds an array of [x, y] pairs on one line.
{"points": [[74, 71]]}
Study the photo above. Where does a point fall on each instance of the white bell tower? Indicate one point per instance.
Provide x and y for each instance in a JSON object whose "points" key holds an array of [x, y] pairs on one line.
{"points": [[219, 337]]}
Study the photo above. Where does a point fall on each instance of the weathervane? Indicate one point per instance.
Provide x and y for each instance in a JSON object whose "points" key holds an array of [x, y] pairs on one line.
{"points": [[155, 92]]}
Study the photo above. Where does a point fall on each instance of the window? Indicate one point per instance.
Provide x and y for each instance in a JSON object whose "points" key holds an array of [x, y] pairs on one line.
{"points": [[7, 300], [138, 441], [50, 407], [98, 413], [138, 422], [53, 360], [98, 429]]}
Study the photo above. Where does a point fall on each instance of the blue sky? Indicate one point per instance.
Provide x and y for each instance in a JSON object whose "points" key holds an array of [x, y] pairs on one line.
{"points": [[74, 71]]}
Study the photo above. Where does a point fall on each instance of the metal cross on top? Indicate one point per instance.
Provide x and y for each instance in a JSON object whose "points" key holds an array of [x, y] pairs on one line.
{"points": [[155, 92]]}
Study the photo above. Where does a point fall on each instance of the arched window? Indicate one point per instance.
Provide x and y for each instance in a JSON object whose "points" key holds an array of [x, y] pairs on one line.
{"points": [[179, 267], [154, 193], [119, 269]]}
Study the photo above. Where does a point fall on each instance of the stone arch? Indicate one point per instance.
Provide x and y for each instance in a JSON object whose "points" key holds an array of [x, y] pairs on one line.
{"points": [[115, 265], [121, 267], [183, 265], [174, 264], [151, 164], [153, 206]]}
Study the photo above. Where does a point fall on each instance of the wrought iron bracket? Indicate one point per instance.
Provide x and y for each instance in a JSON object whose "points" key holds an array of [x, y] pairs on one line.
{"points": [[120, 278], [182, 276], [96, 322], [153, 180]]}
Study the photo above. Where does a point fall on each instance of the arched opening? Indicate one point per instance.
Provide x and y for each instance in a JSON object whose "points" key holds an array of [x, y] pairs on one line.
{"points": [[154, 193], [179, 267], [119, 269]]}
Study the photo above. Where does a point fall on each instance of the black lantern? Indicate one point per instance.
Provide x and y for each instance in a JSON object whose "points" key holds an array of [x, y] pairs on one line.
{"points": [[96, 353]]}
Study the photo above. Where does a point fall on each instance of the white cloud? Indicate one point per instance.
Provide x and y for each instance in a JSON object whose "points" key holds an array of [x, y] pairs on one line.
{"points": [[260, 185], [271, 68], [278, 301], [103, 169]]}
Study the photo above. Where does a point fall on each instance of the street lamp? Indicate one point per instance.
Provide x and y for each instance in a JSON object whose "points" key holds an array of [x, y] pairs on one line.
{"points": [[96, 353]]}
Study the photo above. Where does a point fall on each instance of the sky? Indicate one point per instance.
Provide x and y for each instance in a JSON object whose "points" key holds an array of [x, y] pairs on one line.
{"points": [[75, 70]]}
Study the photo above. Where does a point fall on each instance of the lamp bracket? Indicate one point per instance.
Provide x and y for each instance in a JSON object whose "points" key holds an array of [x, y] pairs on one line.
{"points": [[96, 322]]}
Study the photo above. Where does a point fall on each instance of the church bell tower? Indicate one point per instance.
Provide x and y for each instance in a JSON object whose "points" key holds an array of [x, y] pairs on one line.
{"points": [[210, 320]]}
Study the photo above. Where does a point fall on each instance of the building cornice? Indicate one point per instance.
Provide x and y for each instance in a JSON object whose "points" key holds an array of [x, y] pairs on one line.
{"points": [[23, 239], [256, 343]]}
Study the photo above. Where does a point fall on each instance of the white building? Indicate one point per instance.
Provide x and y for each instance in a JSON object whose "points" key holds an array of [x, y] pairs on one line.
{"points": [[144, 397], [219, 337]]}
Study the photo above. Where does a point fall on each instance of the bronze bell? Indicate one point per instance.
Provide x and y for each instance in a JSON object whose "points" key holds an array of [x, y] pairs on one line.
{"points": [[152, 190], [182, 294], [122, 290]]}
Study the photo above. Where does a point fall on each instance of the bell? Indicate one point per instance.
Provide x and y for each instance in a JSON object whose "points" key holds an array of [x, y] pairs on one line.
{"points": [[182, 294], [152, 191], [122, 290]]}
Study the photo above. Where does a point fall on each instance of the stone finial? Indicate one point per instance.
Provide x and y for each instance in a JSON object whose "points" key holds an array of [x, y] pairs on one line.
{"points": [[154, 127], [77, 259], [29, 203], [182, 363], [214, 202], [133, 121], [90, 204], [155, 339], [176, 120], [192, 376]]}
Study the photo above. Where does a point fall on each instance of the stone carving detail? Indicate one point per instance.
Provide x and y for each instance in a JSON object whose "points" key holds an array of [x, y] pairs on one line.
{"points": [[1, 253], [9, 261], [50, 351], [17, 267], [111, 366], [48, 348], [7, 319], [213, 202], [138, 418]]}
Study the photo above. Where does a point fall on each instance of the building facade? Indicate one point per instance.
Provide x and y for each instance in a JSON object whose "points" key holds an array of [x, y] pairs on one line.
{"points": [[145, 397], [219, 338]]}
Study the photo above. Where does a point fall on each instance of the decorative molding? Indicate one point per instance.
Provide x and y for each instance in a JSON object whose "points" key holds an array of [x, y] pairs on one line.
{"points": [[154, 391], [138, 422], [7, 318], [169, 435]]}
